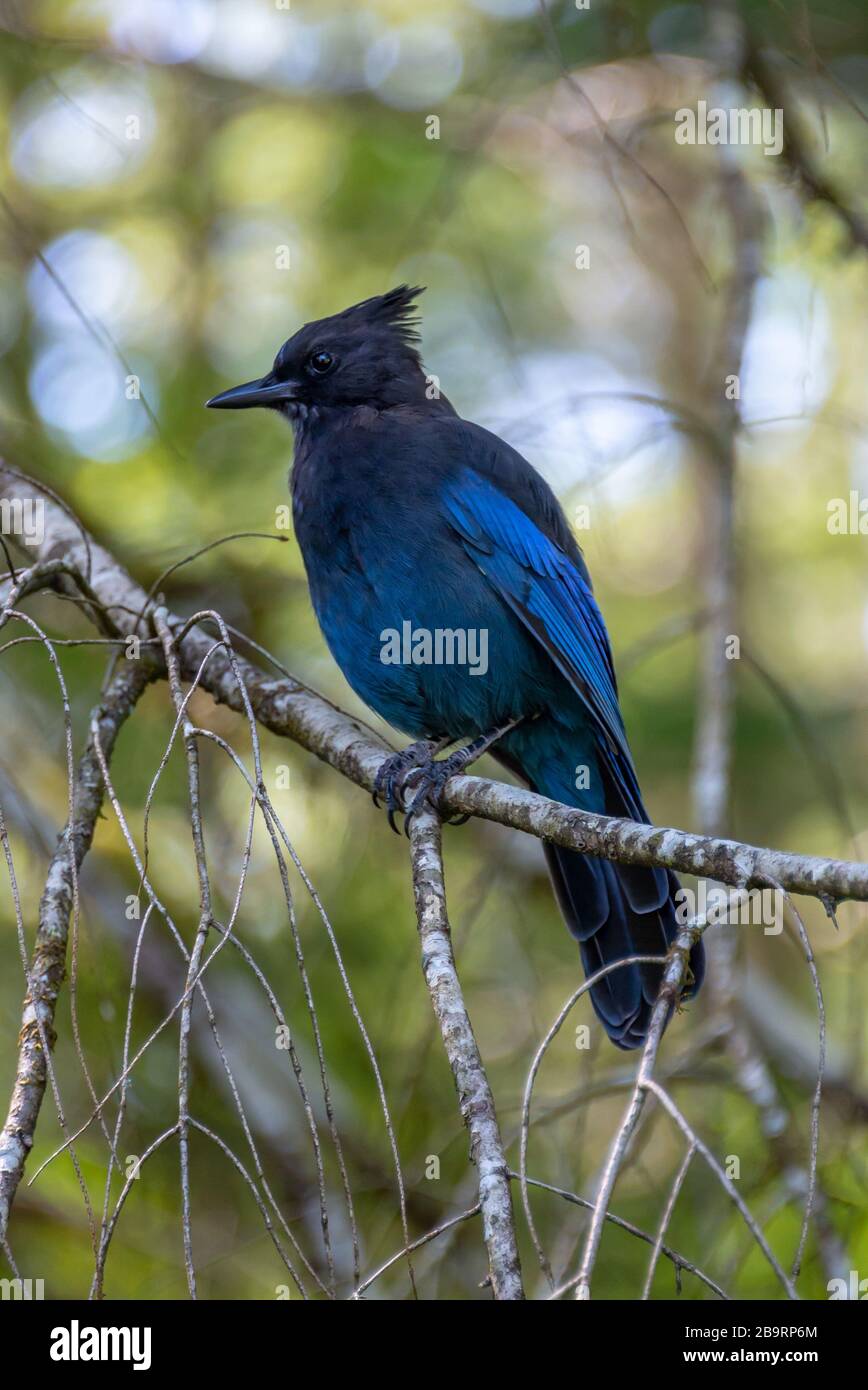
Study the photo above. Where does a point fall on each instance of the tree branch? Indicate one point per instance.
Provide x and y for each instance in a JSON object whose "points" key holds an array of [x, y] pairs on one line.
{"points": [[471, 1082], [814, 184], [48, 962], [290, 709]]}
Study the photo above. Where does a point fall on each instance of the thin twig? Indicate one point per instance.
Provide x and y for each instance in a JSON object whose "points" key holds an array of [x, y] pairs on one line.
{"points": [[49, 952], [667, 1217], [670, 988], [471, 1082], [531, 1078]]}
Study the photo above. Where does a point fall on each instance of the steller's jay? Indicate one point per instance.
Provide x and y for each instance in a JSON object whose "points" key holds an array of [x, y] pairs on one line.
{"points": [[456, 602]]}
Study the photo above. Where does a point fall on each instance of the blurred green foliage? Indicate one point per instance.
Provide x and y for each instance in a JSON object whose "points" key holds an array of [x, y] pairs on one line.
{"points": [[255, 128]]}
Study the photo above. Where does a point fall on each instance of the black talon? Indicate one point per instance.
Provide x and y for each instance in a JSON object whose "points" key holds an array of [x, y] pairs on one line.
{"points": [[391, 781], [416, 763], [433, 781]]}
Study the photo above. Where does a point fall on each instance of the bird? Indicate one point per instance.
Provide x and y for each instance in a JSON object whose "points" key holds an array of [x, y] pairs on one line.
{"points": [[454, 597]]}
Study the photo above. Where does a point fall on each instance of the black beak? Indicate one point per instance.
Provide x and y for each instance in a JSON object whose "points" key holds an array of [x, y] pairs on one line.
{"points": [[266, 391]]}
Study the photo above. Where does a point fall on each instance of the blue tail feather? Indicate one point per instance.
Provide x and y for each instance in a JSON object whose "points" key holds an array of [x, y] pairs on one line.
{"points": [[602, 908]]}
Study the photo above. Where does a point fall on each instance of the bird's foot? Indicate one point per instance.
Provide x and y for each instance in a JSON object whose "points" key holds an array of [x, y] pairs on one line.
{"points": [[431, 783], [400, 770], [433, 777]]}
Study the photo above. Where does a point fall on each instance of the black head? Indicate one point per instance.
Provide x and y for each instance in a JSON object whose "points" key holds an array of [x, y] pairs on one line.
{"points": [[366, 355]]}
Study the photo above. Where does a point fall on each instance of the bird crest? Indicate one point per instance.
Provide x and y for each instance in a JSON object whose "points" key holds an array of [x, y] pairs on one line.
{"points": [[395, 310]]}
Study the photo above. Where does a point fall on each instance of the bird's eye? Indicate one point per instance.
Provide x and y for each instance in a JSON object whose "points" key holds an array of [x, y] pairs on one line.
{"points": [[321, 362]]}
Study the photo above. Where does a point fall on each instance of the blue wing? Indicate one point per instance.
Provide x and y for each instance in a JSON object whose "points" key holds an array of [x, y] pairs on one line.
{"points": [[545, 589], [614, 910]]}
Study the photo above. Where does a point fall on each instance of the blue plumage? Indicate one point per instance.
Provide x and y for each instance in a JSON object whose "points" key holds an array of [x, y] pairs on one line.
{"points": [[413, 520]]}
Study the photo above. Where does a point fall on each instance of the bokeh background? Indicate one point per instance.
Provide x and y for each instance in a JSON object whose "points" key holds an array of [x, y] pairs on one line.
{"points": [[184, 183]]}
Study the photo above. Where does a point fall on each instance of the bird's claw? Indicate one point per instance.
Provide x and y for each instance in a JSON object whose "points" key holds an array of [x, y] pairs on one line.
{"points": [[391, 782], [417, 764], [432, 782]]}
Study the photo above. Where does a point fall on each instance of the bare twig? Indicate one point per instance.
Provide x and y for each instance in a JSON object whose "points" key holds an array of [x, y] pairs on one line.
{"points": [[670, 989], [722, 391], [816, 1100], [440, 1230], [678, 1261], [471, 1082], [654, 1088], [49, 952], [532, 1075], [674, 1193], [192, 754], [759, 70]]}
